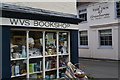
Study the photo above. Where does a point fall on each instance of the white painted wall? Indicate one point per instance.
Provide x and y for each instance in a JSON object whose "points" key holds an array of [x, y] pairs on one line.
{"points": [[0, 52], [94, 50], [65, 7], [119, 40]]}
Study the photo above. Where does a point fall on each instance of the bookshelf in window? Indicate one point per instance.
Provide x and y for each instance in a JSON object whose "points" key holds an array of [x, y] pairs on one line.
{"points": [[39, 54]]}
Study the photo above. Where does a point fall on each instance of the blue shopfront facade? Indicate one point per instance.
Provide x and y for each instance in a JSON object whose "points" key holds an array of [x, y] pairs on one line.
{"points": [[19, 17]]}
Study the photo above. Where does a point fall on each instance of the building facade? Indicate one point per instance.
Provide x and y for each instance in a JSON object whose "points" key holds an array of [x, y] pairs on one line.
{"points": [[99, 31], [36, 40]]}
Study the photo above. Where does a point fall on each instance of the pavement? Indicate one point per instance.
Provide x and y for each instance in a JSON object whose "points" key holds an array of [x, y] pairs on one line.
{"points": [[101, 69]]}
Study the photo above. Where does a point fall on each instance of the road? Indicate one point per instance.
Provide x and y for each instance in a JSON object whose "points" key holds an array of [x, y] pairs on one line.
{"points": [[101, 68]]}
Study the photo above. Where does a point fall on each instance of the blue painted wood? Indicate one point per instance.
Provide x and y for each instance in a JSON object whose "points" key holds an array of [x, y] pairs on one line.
{"points": [[74, 46], [6, 69]]}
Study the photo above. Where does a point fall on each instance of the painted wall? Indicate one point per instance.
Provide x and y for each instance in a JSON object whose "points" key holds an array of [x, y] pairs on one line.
{"points": [[119, 39], [66, 7], [94, 24], [0, 51]]}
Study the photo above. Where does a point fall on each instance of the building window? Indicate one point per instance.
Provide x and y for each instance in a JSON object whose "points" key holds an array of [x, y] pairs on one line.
{"points": [[83, 14], [83, 38], [118, 8], [105, 37]]}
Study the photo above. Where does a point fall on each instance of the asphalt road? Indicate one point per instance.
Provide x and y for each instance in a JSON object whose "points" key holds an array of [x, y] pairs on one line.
{"points": [[100, 68]]}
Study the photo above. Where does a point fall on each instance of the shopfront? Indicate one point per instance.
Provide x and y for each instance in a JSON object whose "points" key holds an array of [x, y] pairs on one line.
{"points": [[37, 43]]}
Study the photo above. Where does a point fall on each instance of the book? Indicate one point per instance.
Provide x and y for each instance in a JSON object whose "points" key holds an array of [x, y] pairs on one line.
{"points": [[16, 70], [31, 69], [40, 65], [13, 70], [35, 67]]}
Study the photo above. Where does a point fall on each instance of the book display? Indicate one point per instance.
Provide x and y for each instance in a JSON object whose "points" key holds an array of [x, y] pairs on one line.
{"points": [[39, 54]]}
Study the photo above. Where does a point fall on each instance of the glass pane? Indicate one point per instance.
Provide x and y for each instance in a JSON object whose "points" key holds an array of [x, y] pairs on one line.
{"points": [[62, 73], [36, 66], [18, 44], [63, 43], [63, 60], [18, 67], [50, 43], [50, 75], [18, 54], [35, 43], [50, 63]]}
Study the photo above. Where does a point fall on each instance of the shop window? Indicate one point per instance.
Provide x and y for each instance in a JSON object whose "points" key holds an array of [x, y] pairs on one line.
{"points": [[83, 14], [105, 37], [83, 38], [118, 8], [34, 52]]}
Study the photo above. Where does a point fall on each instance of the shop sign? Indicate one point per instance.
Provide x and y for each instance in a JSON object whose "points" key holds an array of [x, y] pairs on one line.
{"points": [[34, 23], [100, 11]]}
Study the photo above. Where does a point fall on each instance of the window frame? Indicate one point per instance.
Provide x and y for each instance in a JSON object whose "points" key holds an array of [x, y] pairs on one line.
{"points": [[117, 8], [83, 13], [106, 35], [81, 45]]}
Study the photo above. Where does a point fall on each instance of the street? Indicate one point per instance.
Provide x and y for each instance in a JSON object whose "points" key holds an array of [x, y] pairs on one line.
{"points": [[101, 68]]}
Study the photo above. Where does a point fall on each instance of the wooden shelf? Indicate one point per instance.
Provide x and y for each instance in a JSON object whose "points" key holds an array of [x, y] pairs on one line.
{"points": [[18, 59], [35, 57], [51, 69], [41, 62], [50, 55], [19, 75], [63, 54], [35, 72], [62, 67]]}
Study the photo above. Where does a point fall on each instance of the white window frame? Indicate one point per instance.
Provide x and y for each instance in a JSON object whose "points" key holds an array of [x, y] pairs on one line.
{"points": [[83, 46], [105, 46]]}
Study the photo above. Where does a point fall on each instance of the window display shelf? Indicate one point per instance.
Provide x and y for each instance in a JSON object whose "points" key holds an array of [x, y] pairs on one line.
{"points": [[63, 54], [36, 72], [19, 75], [50, 55], [51, 69], [35, 57], [13, 59], [62, 78], [62, 67], [39, 53]]}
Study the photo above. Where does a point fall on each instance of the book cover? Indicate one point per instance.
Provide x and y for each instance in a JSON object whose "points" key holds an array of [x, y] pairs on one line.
{"points": [[35, 67], [31, 68]]}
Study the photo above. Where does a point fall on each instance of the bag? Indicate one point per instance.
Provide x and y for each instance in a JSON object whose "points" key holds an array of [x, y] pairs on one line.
{"points": [[73, 72]]}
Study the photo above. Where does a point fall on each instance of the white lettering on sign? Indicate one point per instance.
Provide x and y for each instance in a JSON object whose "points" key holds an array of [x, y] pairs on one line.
{"points": [[38, 23]]}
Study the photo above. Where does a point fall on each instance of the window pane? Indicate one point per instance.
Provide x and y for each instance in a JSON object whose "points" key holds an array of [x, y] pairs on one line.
{"points": [[83, 14], [106, 37], [118, 8], [83, 38], [35, 43]]}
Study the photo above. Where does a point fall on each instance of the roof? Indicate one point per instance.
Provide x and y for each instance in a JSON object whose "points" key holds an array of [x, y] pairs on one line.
{"points": [[23, 12]]}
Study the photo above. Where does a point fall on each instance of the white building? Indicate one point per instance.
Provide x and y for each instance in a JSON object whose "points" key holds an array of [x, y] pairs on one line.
{"points": [[100, 30]]}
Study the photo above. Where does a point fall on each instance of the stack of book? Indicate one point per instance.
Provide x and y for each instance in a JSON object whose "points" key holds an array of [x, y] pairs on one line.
{"points": [[62, 61], [50, 64], [35, 67]]}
